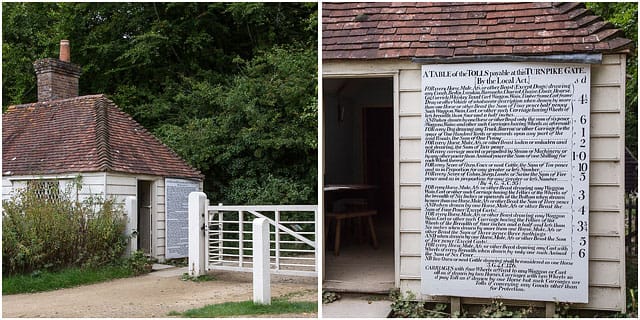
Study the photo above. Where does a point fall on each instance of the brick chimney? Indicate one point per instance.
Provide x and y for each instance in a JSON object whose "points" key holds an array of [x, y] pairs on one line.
{"points": [[57, 78]]}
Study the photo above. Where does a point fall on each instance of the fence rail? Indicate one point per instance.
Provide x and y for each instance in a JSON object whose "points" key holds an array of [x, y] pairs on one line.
{"points": [[292, 231]]}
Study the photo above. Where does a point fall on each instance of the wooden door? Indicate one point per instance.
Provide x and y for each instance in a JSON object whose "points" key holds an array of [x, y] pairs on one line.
{"points": [[144, 216]]}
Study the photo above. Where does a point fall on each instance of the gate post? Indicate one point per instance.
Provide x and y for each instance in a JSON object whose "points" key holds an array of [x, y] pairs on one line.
{"points": [[197, 210], [261, 276], [131, 209]]}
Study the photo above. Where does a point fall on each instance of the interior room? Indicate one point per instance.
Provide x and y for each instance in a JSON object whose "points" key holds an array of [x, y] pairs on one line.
{"points": [[358, 184]]}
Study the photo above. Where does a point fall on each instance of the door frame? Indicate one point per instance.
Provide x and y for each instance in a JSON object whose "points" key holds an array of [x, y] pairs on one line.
{"points": [[152, 229], [359, 74]]}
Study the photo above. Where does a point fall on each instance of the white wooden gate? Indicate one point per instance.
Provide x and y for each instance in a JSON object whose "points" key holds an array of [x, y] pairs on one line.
{"points": [[293, 238]]}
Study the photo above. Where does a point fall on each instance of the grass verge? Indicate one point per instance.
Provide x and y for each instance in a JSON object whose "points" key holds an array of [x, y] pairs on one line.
{"points": [[47, 281], [244, 308]]}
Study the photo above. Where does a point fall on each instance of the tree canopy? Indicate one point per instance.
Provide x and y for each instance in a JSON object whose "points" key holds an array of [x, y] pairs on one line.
{"points": [[624, 15], [231, 87]]}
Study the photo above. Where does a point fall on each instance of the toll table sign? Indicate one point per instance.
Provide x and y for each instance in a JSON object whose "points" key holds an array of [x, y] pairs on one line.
{"points": [[506, 181], [177, 221]]}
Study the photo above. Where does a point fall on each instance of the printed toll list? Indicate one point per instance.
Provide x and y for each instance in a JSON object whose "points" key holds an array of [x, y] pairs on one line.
{"points": [[506, 180]]}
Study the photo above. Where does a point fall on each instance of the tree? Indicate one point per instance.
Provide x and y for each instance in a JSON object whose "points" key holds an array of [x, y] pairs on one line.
{"points": [[624, 15], [230, 86], [262, 134]]}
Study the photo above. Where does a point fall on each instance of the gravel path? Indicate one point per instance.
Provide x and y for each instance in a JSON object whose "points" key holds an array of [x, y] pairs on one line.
{"points": [[152, 295]]}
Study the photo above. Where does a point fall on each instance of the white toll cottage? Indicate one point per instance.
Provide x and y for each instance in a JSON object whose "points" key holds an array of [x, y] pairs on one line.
{"points": [[490, 140], [86, 145]]}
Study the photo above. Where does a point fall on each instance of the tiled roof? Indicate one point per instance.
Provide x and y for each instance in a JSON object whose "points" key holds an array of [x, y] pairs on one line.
{"points": [[439, 29], [83, 134]]}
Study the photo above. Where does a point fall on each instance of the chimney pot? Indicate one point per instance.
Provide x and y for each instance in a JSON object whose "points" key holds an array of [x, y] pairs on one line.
{"points": [[65, 52], [57, 78]]}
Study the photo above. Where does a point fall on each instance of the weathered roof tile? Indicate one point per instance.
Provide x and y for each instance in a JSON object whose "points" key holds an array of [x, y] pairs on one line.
{"points": [[426, 29], [83, 134]]}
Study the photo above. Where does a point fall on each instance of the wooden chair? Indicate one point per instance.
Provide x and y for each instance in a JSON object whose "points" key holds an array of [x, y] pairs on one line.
{"points": [[339, 216]]}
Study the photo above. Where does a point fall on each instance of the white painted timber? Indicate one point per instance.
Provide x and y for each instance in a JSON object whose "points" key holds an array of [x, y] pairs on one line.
{"points": [[410, 125], [261, 276], [606, 98], [606, 149], [605, 197], [605, 74], [606, 169], [410, 102], [605, 124], [605, 223], [410, 150], [410, 196], [131, 210], [607, 132], [7, 188], [407, 172], [406, 80], [197, 207], [605, 173], [409, 216]]}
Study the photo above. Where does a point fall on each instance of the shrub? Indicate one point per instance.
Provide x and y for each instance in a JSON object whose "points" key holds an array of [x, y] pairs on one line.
{"points": [[139, 263], [50, 234]]}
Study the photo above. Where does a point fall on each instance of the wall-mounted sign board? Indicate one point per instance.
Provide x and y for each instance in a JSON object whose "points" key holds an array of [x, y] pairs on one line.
{"points": [[506, 181], [177, 221]]}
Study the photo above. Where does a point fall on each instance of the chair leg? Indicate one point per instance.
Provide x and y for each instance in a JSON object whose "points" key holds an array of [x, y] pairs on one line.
{"points": [[373, 233], [359, 230], [327, 224], [336, 246]]}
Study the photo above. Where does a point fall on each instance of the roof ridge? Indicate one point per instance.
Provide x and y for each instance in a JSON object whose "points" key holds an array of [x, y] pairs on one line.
{"points": [[84, 134], [152, 136], [54, 102], [102, 133]]}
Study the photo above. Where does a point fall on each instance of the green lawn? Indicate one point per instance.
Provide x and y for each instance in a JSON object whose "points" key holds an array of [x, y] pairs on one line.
{"points": [[229, 309], [47, 281]]}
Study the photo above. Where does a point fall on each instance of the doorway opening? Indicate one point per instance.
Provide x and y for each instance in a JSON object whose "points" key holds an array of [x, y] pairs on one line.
{"points": [[358, 184], [144, 216]]}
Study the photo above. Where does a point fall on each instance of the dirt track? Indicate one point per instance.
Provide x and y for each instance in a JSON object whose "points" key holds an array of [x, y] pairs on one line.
{"points": [[152, 295]]}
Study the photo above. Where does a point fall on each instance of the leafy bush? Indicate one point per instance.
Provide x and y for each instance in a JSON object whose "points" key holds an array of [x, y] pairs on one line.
{"points": [[139, 263], [44, 234], [330, 296], [407, 306], [497, 309]]}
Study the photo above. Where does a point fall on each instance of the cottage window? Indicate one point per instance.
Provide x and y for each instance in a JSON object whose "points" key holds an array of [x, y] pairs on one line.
{"points": [[45, 189]]}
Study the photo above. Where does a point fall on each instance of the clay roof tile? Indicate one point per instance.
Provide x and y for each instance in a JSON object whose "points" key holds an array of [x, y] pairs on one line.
{"points": [[520, 28], [83, 134]]}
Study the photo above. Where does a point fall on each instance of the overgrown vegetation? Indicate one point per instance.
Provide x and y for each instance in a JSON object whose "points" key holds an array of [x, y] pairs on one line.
{"points": [[246, 308], [330, 296], [407, 306], [138, 263], [624, 15], [48, 234], [38, 281], [200, 278], [67, 278]]}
